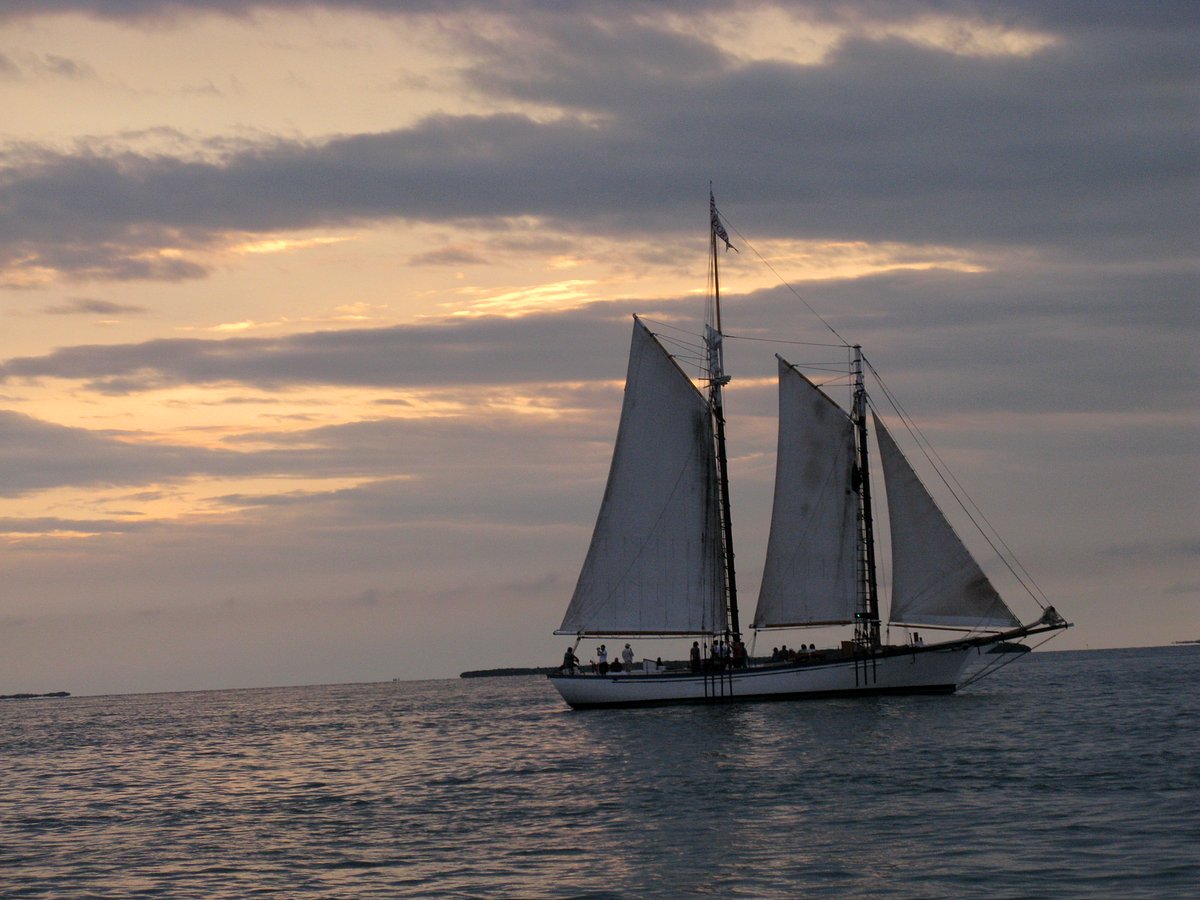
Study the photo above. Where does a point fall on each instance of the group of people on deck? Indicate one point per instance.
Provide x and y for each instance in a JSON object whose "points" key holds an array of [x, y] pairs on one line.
{"points": [[787, 654], [722, 655], [601, 665]]}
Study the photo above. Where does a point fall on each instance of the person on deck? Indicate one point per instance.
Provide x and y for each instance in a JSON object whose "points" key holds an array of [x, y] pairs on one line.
{"points": [[570, 661], [739, 655], [695, 656], [627, 655], [602, 659], [719, 655]]}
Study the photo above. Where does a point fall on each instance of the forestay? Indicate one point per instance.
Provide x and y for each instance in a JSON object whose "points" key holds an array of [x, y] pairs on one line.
{"points": [[654, 564], [935, 579], [809, 575]]}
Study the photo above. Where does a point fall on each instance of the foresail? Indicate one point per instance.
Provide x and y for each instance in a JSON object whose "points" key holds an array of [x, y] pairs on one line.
{"points": [[654, 564], [809, 575], [935, 580]]}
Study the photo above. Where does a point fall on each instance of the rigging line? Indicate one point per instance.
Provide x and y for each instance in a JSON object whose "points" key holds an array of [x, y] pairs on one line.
{"points": [[1009, 561], [1009, 558], [775, 272], [945, 476], [993, 668], [744, 337], [672, 327], [694, 353]]}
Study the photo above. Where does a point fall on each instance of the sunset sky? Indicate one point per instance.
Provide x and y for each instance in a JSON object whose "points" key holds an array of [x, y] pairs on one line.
{"points": [[313, 316]]}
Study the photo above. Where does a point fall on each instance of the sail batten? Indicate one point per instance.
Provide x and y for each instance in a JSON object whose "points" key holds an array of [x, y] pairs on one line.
{"points": [[936, 580], [809, 574], [654, 565]]}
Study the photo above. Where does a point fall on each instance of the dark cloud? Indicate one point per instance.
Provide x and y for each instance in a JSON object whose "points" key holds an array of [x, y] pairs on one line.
{"points": [[1061, 13], [1087, 147], [494, 350], [988, 341], [438, 458], [448, 256], [83, 306], [66, 67], [29, 66], [43, 525], [35, 455]]}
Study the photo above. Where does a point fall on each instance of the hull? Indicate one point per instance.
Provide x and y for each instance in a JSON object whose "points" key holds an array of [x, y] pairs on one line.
{"points": [[924, 671]]}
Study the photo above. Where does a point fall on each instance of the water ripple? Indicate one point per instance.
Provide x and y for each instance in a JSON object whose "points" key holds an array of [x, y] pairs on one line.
{"points": [[1070, 774]]}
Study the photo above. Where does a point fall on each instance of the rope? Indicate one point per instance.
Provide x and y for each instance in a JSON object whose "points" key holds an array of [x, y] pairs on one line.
{"points": [[742, 337], [995, 667], [793, 291]]}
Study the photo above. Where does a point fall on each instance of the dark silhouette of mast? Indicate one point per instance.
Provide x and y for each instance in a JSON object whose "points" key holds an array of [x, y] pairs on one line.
{"points": [[717, 379], [867, 626]]}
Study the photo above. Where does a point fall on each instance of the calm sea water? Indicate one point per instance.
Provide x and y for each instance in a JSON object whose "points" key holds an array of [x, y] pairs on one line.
{"points": [[1066, 774]]}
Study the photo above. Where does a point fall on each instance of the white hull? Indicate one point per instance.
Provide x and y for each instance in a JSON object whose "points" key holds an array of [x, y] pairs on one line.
{"points": [[928, 670]]}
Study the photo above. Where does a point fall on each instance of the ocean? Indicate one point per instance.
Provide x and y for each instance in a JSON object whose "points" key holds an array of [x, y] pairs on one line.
{"points": [[1072, 774]]}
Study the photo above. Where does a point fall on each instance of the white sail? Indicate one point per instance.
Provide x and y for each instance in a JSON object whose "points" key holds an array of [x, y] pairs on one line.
{"points": [[935, 580], [809, 576], [654, 565]]}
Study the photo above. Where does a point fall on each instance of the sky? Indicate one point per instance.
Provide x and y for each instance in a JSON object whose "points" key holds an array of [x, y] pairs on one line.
{"points": [[314, 316]]}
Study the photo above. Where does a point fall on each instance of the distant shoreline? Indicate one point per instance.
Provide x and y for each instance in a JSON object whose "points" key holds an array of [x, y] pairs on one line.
{"points": [[492, 673], [34, 696]]}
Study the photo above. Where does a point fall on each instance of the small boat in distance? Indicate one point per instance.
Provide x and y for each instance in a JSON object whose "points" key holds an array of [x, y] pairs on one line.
{"points": [[661, 561]]}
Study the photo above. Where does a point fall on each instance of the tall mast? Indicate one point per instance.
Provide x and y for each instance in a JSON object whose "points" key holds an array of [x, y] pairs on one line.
{"points": [[867, 627], [717, 379]]}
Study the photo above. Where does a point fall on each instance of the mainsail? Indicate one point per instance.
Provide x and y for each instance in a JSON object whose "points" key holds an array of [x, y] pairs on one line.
{"points": [[654, 565], [809, 575], [935, 580]]}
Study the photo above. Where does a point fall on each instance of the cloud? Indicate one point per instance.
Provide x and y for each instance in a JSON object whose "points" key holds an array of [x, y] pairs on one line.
{"points": [[447, 470], [82, 306], [409, 466], [443, 353], [35, 455], [28, 66], [46, 525], [1003, 340], [884, 140], [64, 67], [457, 255]]}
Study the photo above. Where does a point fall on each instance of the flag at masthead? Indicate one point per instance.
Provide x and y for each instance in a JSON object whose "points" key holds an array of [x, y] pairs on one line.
{"points": [[717, 228]]}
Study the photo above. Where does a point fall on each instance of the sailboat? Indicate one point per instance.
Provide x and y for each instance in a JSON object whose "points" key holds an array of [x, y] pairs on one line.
{"points": [[661, 559]]}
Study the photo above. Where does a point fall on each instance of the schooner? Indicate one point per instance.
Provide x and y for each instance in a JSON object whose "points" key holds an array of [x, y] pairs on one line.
{"points": [[661, 560]]}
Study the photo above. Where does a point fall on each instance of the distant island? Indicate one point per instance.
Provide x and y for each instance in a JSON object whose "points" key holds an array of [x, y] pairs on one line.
{"points": [[34, 696], [492, 673]]}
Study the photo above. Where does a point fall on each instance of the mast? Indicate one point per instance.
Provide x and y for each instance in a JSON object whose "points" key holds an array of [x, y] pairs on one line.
{"points": [[717, 379], [867, 628]]}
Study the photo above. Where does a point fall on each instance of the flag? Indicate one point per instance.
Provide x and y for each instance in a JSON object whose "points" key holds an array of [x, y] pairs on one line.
{"points": [[717, 228]]}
